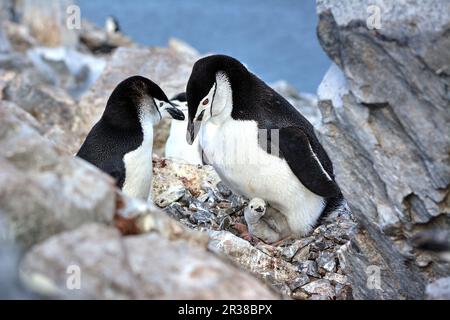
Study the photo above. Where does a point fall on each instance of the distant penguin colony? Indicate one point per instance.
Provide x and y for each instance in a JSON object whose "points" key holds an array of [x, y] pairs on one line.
{"points": [[257, 142], [121, 142]]}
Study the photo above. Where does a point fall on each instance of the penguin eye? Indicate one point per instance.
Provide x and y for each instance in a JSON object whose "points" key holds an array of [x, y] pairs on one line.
{"points": [[251, 207], [205, 102]]}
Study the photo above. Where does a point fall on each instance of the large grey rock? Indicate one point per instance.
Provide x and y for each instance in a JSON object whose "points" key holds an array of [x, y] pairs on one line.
{"points": [[148, 266], [385, 123], [46, 21], [53, 107], [43, 191], [439, 289]]}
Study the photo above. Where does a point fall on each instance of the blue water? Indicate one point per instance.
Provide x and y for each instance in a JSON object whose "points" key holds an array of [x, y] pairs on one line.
{"points": [[275, 38]]}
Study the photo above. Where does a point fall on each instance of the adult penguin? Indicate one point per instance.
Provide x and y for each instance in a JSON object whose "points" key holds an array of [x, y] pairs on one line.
{"points": [[258, 143], [121, 142]]}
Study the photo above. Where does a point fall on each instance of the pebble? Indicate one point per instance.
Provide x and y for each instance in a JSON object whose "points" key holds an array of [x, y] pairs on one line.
{"points": [[174, 193], [300, 281], [320, 287]]}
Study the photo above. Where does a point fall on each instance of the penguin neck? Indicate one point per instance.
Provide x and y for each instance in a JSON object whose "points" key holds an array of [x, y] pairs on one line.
{"points": [[147, 120], [223, 100]]}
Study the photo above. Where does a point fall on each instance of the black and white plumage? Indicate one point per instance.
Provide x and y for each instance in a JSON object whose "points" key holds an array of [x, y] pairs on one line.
{"points": [[264, 222], [121, 142], [112, 24], [259, 144]]}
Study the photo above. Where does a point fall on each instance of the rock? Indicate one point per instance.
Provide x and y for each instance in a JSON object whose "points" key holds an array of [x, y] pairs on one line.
{"points": [[5, 46], [174, 193], [169, 67], [55, 110], [310, 268], [252, 259], [11, 286], [321, 287], [292, 250], [300, 281], [98, 41], [384, 116], [223, 189], [326, 260], [42, 191], [46, 22], [167, 173], [19, 36], [439, 289], [336, 278], [148, 266], [67, 68], [301, 254]]}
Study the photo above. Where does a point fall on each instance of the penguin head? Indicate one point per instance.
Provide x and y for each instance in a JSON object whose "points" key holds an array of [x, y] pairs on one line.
{"points": [[137, 99], [203, 88], [179, 100], [257, 207]]}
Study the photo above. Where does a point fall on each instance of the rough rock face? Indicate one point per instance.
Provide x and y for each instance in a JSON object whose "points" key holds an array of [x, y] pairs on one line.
{"points": [[385, 123], [43, 192], [148, 266]]}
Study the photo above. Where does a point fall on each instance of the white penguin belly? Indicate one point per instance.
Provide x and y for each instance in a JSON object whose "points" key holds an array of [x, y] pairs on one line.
{"points": [[139, 169], [232, 148], [177, 147]]}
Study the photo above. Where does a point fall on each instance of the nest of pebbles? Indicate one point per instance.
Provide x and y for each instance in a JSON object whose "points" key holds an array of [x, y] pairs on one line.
{"points": [[313, 267]]}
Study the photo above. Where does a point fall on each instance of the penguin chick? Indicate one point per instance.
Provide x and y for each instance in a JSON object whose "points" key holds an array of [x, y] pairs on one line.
{"points": [[268, 225], [258, 143], [121, 142]]}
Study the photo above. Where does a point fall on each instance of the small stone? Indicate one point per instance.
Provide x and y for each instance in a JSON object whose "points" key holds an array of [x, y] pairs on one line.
{"points": [[321, 287], [313, 255], [201, 217], [298, 282], [171, 195], [310, 268], [326, 260], [223, 189], [343, 292], [318, 297], [336, 278], [301, 254], [299, 295], [175, 210]]}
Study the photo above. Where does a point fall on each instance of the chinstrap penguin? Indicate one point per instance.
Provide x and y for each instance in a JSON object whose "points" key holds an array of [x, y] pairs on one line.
{"points": [[112, 25], [177, 147], [258, 143], [265, 223], [121, 142]]}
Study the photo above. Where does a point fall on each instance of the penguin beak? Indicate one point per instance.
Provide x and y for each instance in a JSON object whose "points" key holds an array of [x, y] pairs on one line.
{"points": [[173, 111], [193, 128]]}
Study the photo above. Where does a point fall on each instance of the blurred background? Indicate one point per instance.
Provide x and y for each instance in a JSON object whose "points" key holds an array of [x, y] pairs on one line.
{"points": [[276, 39]]}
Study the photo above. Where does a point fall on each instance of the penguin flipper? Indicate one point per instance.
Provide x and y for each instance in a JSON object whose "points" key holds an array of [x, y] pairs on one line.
{"points": [[295, 148]]}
